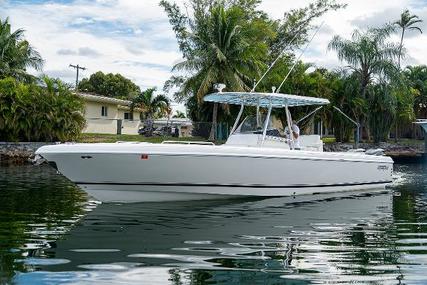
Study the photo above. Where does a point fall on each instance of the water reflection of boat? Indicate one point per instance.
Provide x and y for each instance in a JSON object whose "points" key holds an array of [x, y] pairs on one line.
{"points": [[331, 236], [252, 163]]}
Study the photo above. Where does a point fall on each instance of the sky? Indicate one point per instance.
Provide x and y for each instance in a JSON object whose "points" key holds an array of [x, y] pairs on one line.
{"points": [[135, 39]]}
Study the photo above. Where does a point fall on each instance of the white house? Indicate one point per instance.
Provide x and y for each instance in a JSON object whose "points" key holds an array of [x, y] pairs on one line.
{"points": [[106, 115]]}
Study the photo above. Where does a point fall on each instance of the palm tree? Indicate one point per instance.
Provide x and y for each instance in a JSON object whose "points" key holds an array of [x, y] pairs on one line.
{"points": [[16, 54], [222, 54], [370, 57], [150, 105], [406, 22], [367, 54]]}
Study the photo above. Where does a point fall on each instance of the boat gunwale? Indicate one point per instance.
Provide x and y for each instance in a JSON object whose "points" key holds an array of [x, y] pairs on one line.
{"points": [[256, 156]]}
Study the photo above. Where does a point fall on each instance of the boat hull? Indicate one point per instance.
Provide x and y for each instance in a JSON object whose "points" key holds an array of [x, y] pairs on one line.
{"points": [[136, 193], [149, 172]]}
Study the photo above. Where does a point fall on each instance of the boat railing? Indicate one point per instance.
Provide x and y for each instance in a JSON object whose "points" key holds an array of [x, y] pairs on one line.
{"points": [[188, 142]]}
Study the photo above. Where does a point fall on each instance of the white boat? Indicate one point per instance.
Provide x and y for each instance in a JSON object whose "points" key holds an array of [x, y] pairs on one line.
{"points": [[253, 162]]}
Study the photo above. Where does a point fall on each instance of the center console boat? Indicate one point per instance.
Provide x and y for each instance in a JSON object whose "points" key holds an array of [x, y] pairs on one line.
{"points": [[253, 162]]}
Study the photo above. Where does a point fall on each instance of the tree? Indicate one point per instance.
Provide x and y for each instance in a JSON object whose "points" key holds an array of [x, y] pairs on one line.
{"points": [[406, 22], [254, 40], [368, 54], [382, 107], [16, 54], [150, 106], [416, 77], [293, 30], [110, 85], [219, 46], [371, 58], [345, 96], [48, 111]]}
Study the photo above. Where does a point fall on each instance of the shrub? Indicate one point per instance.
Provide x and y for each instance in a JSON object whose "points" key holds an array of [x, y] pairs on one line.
{"points": [[45, 112]]}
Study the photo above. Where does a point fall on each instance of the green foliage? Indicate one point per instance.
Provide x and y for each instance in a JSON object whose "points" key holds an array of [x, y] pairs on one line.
{"points": [[368, 54], [221, 46], [16, 54], [416, 77], [151, 106], [382, 111], [222, 43], [405, 100], [346, 97], [371, 57], [293, 30], [110, 85], [229, 42], [30, 112]]}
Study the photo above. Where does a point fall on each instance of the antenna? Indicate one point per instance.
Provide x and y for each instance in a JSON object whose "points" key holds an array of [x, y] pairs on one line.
{"points": [[295, 63], [274, 62]]}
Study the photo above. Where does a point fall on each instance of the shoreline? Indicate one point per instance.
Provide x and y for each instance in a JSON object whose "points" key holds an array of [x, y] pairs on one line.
{"points": [[19, 153], [392, 149]]}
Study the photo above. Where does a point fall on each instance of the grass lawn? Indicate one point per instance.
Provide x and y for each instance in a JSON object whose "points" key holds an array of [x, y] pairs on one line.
{"points": [[409, 142], [328, 140], [109, 138]]}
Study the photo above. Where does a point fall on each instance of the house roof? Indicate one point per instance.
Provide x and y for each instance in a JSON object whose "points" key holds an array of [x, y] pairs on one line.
{"points": [[103, 99]]}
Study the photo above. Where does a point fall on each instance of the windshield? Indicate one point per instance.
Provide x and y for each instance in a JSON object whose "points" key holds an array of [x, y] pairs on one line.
{"points": [[250, 126]]}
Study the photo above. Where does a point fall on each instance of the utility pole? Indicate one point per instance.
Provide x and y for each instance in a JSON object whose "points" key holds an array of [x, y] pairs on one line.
{"points": [[77, 67]]}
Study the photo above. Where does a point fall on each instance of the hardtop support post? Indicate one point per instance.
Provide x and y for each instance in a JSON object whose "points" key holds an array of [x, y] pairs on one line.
{"points": [[236, 123], [289, 120], [267, 120]]}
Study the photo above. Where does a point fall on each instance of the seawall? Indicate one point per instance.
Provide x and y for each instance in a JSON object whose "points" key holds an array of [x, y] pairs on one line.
{"points": [[399, 151], [12, 153]]}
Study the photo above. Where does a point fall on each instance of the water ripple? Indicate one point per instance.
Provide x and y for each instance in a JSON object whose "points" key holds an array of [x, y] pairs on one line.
{"points": [[60, 237]]}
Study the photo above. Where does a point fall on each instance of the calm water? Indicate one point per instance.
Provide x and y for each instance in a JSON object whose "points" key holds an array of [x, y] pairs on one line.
{"points": [[51, 234]]}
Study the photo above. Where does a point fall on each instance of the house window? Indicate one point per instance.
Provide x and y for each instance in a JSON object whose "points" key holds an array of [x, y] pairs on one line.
{"points": [[128, 116], [104, 111]]}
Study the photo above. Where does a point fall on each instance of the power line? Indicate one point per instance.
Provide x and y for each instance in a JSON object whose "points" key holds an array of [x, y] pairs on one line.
{"points": [[78, 68]]}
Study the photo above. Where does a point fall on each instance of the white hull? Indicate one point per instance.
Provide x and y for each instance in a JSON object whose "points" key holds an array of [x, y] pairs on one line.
{"points": [[138, 172]]}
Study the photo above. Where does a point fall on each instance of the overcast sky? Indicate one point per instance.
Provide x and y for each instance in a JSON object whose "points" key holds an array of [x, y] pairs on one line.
{"points": [[134, 38]]}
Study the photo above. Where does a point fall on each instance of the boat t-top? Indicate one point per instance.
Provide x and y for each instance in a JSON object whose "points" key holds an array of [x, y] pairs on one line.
{"points": [[256, 160]]}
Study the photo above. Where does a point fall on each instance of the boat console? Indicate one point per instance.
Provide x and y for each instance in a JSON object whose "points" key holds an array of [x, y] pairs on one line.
{"points": [[250, 134]]}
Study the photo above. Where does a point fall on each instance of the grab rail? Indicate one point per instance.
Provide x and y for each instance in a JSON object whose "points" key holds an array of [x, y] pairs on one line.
{"points": [[188, 142]]}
